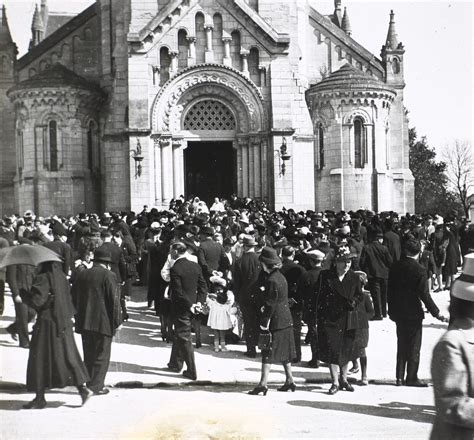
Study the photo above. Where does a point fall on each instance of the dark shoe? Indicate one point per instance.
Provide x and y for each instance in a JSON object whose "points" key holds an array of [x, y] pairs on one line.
{"points": [[417, 383], [187, 374], [288, 386], [400, 382], [250, 354], [12, 333], [344, 385], [102, 392], [313, 363], [85, 393], [35, 404], [296, 360], [174, 368], [25, 345], [334, 389], [198, 345], [377, 318], [257, 390]]}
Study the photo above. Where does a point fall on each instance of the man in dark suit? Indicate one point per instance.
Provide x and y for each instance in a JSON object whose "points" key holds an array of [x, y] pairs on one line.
{"points": [[211, 254], [391, 240], [407, 289], [375, 261], [118, 266], [97, 301], [188, 292], [60, 246], [246, 272]]}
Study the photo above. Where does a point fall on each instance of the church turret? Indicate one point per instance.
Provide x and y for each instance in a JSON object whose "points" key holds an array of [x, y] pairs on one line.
{"points": [[337, 17], [346, 24], [392, 56], [37, 28], [44, 14]]}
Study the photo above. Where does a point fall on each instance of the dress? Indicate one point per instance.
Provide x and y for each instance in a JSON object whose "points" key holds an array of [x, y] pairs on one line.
{"points": [[337, 344], [54, 361], [220, 317]]}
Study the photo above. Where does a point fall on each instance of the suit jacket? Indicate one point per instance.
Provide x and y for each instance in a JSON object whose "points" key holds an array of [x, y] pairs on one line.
{"points": [[308, 291], [452, 370], [246, 271], [64, 251], [293, 273], [96, 297], [118, 265], [187, 284], [211, 257], [375, 260], [407, 289], [392, 241], [275, 312]]}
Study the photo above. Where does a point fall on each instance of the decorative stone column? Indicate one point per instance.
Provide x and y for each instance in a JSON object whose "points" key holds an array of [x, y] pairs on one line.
{"points": [[174, 62], [245, 62], [262, 71], [209, 54], [264, 169], [192, 50], [166, 171], [239, 171], [157, 173], [226, 39], [257, 168], [244, 147], [178, 171]]}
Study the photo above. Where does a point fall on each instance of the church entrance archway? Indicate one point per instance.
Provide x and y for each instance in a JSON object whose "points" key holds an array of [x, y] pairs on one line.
{"points": [[209, 170]]}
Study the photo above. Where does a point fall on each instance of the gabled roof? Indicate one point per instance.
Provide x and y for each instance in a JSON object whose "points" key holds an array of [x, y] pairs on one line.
{"points": [[350, 78], [56, 76], [338, 34], [175, 7], [53, 39], [57, 20]]}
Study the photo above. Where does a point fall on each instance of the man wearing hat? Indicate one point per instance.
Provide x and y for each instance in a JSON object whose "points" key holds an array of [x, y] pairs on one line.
{"points": [[309, 292], [407, 290], [211, 253], [96, 297], [452, 365], [246, 272], [60, 246]]}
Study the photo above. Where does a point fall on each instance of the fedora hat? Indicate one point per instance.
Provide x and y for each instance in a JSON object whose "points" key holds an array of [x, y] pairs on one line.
{"points": [[315, 255], [269, 256], [463, 287], [103, 256], [249, 240]]}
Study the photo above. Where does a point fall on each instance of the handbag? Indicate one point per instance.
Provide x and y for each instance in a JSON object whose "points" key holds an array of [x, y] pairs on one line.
{"points": [[354, 320], [265, 341]]}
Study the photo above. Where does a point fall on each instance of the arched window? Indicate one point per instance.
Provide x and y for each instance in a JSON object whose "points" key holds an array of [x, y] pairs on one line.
{"points": [[395, 66], [209, 115], [359, 143], [217, 43], [235, 51], [254, 61], [53, 146], [93, 152], [21, 151], [321, 146], [200, 38], [183, 49], [165, 62]]}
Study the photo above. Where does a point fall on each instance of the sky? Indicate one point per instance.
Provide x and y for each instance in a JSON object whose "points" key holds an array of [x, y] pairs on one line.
{"points": [[438, 39]]}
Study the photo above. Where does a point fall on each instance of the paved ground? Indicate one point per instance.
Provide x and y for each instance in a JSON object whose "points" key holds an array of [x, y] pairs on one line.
{"points": [[149, 402]]}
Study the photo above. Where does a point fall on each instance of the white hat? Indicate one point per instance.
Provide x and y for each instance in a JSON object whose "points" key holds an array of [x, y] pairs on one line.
{"points": [[315, 254], [463, 287], [216, 278]]}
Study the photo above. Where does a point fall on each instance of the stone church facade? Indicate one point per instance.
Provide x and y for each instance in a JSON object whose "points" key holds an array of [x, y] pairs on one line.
{"points": [[136, 102]]}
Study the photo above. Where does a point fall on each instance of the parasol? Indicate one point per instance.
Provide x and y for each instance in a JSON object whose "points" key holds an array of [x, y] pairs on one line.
{"points": [[26, 254]]}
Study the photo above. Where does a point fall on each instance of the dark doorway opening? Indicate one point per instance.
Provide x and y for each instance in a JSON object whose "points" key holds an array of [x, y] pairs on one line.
{"points": [[209, 170]]}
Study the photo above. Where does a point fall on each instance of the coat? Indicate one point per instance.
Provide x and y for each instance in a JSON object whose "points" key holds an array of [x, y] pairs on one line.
{"points": [[276, 313], [338, 344], [64, 251], [96, 297], [452, 370], [246, 271], [407, 289], [118, 265], [188, 286], [392, 241], [375, 260], [211, 257]]}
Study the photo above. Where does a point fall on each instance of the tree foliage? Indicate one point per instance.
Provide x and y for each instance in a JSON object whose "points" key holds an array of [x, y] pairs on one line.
{"points": [[431, 184]]}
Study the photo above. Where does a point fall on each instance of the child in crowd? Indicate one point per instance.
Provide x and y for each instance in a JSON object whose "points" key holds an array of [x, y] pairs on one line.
{"points": [[220, 303]]}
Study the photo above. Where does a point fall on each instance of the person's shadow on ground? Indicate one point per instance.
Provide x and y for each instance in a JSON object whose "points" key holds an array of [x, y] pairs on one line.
{"points": [[392, 410]]}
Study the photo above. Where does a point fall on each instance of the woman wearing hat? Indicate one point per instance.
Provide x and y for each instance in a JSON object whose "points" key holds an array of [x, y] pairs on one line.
{"points": [[452, 365], [276, 318], [340, 293]]}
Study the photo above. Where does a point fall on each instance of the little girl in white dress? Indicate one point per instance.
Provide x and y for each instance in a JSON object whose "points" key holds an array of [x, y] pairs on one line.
{"points": [[221, 317]]}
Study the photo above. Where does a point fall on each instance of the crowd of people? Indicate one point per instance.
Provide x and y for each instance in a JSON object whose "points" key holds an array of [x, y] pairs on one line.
{"points": [[251, 274]]}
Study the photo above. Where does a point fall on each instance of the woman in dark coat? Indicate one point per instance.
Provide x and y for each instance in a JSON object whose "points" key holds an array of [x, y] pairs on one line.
{"points": [[340, 293], [54, 361], [276, 318]]}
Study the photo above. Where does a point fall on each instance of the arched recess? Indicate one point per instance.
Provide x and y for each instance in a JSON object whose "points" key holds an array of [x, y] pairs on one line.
{"points": [[247, 132], [359, 123]]}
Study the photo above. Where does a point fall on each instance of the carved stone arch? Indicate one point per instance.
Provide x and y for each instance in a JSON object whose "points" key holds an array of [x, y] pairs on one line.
{"points": [[349, 117], [48, 115], [209, 79]]}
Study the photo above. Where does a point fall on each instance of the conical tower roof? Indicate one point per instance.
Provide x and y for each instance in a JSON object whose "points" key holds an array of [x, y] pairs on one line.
{"points": [[37, 24], [392, 37], [5, 35], [346, 24], [349, 78]]}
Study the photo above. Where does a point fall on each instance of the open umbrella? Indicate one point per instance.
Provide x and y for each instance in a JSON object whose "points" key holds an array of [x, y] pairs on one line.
{"points": [[26, 254]]}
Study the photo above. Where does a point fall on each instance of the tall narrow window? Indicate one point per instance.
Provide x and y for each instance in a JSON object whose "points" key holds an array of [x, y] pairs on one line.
{"points": [[359, 143], [21, 151], [235, 50], [200, 39], [93, 153], [53, 146], [321, 146], [254, 61], [165, 62], [217, 43], [183, 49]]}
